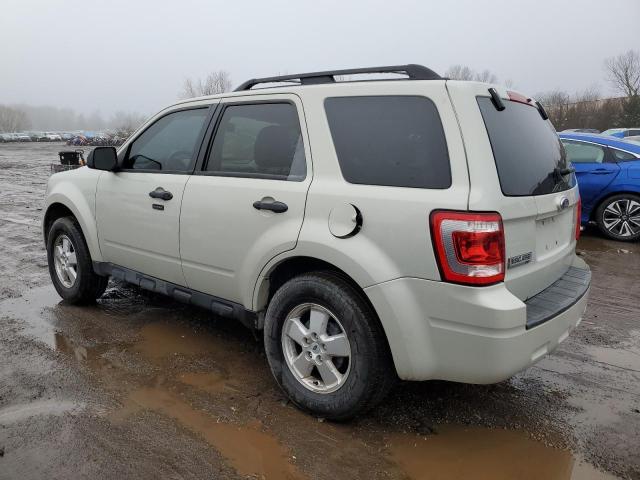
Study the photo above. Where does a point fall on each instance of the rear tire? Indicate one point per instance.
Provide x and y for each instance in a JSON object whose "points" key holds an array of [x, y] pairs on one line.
{"points": [[618, 217], [338, 370], [70, 264]]}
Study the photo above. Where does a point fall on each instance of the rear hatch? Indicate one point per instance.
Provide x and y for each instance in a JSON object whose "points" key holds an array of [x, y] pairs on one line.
{"points": [[517, 167]]}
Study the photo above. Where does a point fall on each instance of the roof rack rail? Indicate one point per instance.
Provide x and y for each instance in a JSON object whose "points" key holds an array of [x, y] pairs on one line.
{"points": [[414, 72]]}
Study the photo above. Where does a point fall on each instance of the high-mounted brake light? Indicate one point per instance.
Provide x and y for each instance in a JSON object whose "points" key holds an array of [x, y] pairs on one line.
{"points": [[469, 246], [516, 97], [578, 218]]}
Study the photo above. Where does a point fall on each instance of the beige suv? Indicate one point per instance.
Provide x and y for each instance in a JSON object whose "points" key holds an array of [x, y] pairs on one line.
{"points": [[413, 227]]}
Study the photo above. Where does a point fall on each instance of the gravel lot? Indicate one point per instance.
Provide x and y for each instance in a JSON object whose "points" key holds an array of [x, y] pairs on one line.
{"points": [[139, 386]]}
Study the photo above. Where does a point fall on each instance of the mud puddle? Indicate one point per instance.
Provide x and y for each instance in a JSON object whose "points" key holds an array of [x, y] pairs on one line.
{"points": [[34, 310], [175, 363], [625, 355], [457, 452], [248, 448]]}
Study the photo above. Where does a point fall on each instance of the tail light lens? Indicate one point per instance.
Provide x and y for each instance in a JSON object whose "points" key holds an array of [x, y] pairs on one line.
{"points": [[469, 246], [578, 217]]}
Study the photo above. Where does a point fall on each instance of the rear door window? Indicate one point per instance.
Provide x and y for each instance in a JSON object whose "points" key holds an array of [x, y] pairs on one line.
{"points": [[389, 140], [528, 153], [622, 156], [259, 141], [580, 152]]}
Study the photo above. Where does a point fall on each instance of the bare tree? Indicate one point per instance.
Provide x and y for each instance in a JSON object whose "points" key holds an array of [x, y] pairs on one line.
{"points": [[13, 119], [462, 72], [485, 76], [216, 82], [126, 122], [459, 72], [553, 98], [591, 94], [624, 72]]}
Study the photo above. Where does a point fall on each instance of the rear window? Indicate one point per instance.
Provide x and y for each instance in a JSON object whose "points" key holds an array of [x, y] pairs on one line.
{"points": [[389, 140], [526, 149]]}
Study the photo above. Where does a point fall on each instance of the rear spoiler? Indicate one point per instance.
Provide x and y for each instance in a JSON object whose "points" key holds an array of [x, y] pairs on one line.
{"points": [[516, 97]]}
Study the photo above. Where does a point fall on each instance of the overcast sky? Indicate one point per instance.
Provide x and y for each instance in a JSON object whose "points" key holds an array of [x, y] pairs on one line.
{"points": [[134, 55]]}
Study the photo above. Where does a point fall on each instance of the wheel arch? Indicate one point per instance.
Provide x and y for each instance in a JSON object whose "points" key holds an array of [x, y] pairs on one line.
{"points": [[58, 206], [278, 273], [626, 189]]}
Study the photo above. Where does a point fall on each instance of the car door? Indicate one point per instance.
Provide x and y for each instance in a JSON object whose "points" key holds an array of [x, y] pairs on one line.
{"points": [[245, 203], [138, 207], [595, 169]]}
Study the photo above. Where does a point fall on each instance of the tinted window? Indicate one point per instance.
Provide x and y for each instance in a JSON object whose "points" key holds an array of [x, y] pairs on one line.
{"points": [[526, 149], [170, 144], [579, 152], [262, 141], [389, 140], [621, 156]]}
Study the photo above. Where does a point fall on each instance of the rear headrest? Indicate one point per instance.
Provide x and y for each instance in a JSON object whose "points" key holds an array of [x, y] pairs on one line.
{"points": [[274, 147]]}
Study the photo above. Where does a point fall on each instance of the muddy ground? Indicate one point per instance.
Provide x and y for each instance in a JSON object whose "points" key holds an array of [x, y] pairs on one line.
{"points": [[138, 386]]}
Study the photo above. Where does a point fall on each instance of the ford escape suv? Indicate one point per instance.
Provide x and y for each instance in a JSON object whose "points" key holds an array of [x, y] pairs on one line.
{"points": [[413, 227]]}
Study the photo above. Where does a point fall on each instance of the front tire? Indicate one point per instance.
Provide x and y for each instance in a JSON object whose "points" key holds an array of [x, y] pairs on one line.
{"points": [[326, 347], [618, 217], [70, 264]]}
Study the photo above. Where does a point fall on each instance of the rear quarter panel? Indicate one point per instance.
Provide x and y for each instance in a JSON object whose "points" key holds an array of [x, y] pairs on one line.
{"points": [[395, 239]]}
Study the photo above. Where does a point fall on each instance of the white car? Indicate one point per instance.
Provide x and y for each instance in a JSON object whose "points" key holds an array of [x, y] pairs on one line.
{"points": [[420, 229], [53, 137]]}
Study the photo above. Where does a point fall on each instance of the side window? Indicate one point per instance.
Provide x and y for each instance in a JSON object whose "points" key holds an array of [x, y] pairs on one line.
{"points": [[259, 141], [621, 156], [170, 144], [389, 140], [579, 152]]}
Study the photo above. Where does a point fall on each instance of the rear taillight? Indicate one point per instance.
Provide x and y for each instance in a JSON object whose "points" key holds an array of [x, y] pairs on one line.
{"points": [[578, 217], [469, 246]]}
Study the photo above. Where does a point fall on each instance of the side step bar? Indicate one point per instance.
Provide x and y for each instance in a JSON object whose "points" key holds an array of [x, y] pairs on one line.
{"points": [[215, 305]]}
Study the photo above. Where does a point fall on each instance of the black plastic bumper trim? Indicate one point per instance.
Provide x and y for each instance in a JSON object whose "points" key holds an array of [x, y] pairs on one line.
{"points": [[557, 297]]}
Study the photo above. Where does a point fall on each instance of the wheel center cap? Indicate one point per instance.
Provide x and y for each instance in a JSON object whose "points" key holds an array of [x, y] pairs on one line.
{"points": [[314, 347], [624, 217]]}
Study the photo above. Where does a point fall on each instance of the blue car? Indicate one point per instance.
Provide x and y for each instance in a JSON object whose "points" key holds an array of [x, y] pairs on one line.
{"points": [[608, 173], [622, 132]]}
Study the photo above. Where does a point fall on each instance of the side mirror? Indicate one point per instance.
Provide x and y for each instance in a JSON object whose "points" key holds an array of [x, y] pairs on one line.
{"points": [[103, 158]]}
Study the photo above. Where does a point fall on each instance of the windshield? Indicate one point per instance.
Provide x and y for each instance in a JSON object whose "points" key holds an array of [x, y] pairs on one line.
{"points": [[529, 156]]}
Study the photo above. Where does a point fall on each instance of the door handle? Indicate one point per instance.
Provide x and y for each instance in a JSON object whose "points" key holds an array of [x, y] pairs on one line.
{"points": [[601, 171], [277, 207], [161, 193]]}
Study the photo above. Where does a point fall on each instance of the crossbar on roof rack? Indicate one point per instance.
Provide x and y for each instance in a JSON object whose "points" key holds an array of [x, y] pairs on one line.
{"points": [[414, 72]]}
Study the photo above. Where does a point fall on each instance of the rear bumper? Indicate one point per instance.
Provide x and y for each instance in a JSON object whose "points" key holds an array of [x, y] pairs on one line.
{"points": [[452, 332]]}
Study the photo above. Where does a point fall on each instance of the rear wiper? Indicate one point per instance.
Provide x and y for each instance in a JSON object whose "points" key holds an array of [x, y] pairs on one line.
{"points": [[564, 171]]}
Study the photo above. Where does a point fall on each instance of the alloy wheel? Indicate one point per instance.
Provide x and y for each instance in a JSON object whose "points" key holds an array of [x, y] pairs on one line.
{"points": [[622, 217], [316, 348], [65, 261]]}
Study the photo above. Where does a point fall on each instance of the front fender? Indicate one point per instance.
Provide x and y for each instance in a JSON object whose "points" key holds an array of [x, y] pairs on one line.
{"points": [[76, 190]]}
